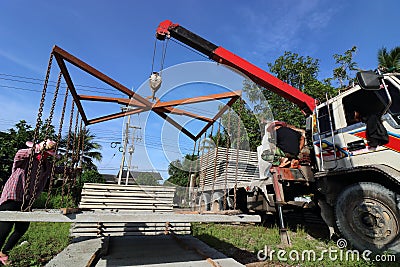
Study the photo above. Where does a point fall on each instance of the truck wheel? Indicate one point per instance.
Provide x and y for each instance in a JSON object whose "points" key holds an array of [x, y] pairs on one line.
{"points": [[204, 202], [367, 216]]}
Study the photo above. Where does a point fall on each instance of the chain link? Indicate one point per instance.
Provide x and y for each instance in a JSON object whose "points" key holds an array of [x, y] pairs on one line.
{"points": [[227, 159], [190, 172], [202, 174], [26, 195], [57, 144], [237, 156], [198, 161], [216, 159], [46, 135], [65, 175], [74, 153]]}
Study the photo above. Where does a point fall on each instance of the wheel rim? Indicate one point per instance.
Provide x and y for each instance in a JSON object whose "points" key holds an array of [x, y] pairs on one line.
{"points": [[215, 206], [374, 221]]}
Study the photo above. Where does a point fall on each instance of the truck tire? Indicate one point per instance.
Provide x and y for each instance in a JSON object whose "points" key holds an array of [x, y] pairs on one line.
{"points": [[368, 217], [204, 202]]}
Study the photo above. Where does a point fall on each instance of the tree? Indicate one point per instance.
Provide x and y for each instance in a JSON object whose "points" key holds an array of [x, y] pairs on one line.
{"points": [[11, 141], [389, 61], [250, 136], [14, 139], [146, 179], [179, 170], [90, 148], [343, 73], [300, 72]]}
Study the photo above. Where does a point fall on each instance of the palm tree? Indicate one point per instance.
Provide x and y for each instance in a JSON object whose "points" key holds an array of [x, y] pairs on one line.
{"points": [[389, 61], [90, 149]]}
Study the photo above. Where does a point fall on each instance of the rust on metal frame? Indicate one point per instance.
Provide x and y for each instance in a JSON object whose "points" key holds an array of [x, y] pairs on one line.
{"points": [[133, 99]]}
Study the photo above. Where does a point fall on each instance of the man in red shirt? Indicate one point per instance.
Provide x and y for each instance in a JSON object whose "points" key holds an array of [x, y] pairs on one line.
{"points": [[13, 195]]}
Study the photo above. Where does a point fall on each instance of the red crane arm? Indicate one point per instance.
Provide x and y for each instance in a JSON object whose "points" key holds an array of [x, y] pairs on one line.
{"points": [[167, 29]]}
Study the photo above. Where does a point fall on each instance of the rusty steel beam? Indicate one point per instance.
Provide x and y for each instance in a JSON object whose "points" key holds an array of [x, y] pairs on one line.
{"points": [[182, 112], [70, 84], [142, 104], [175, 124], [115, 115], [122, 101], [198, 99], [219, 114], [99, 75]]}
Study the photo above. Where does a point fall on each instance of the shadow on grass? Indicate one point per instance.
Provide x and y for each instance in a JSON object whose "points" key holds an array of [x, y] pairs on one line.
{"points": [[309, 220], [240, 255]]}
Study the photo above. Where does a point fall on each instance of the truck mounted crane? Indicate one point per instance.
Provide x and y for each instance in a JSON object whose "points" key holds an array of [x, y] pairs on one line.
{"points": [[355, 182]]}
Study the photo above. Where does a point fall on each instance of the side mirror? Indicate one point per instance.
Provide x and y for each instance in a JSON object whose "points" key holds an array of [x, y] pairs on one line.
{"points": [[368, 80], [309, 124]]}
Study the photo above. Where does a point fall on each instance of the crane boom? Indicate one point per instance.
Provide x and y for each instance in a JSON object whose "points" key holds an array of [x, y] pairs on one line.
{"points": [[221, 55]]}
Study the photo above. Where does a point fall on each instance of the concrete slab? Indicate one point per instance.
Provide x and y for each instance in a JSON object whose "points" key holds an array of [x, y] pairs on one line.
{"points": [[122, 216], [163, 250], [77, 253]]}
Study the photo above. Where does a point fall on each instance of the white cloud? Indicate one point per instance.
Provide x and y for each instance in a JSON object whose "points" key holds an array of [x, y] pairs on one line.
{"points": [[20, 62], [279, 29]]}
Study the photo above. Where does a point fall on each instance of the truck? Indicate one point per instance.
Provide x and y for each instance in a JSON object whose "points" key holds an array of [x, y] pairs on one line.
{"points": [[355, 183]]}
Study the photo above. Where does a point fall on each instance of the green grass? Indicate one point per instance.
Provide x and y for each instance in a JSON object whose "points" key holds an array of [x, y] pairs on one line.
{"points": [[242, 242], [45, 240]]}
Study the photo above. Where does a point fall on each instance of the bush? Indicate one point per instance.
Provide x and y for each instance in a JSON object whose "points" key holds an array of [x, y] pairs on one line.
{"points": [[91, 176], [56, 201]]}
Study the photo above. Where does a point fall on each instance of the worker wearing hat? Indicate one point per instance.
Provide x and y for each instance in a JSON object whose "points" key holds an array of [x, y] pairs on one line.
{"points": [[12, 197]]}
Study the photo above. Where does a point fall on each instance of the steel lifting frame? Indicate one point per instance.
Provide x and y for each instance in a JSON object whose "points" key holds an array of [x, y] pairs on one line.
{"points": [[139, 103]]}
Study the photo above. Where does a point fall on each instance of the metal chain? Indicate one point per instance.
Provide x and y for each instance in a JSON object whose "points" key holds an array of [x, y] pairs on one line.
{"points": [[46, 135], [190, 171], [227, 159], [198, 161], [26, 195], [202, 174], [79, 148], [74, 153], [237, 155], [216, 158], [83, 142], [52, 176], [65, 176]]}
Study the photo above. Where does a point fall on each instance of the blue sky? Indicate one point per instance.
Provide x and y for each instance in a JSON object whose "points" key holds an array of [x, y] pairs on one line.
{"points": [[118, 39]]}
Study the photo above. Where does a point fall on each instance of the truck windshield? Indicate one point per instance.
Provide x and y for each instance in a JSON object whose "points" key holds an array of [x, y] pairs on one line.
{"points": [[395, 95]]}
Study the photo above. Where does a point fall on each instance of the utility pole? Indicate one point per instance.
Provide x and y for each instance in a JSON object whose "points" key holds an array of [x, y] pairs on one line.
{"points": [[130, 150]]}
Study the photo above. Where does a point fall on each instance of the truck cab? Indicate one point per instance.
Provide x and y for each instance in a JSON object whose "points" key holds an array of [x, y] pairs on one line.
{"points": [[339, 128]]}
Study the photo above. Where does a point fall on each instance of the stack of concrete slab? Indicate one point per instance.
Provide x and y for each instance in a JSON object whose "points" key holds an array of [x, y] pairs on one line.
{"points": [[141, 199], [223, 168]]}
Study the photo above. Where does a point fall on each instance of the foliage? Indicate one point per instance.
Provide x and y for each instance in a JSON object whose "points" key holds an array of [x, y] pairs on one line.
{"points": [[90, 176], [179, 170], [389, 61], [56, 201], [44, 240], [245, 135], [90, 149], [343, 73], [298, 71], [14, 139], [146, 179]]}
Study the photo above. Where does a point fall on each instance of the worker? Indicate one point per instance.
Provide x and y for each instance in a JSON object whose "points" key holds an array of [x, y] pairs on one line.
{"points": [[289, 142], [12, 197]]}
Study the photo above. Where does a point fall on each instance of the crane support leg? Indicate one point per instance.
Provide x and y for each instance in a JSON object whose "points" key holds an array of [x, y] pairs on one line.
{"points": [[280, 199]]}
